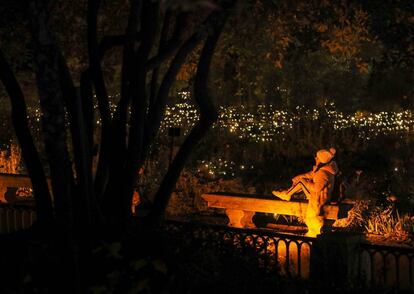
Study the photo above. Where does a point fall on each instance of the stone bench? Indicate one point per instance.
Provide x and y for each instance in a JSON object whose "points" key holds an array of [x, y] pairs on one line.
{"points": [[240, 208], [13, 181]]}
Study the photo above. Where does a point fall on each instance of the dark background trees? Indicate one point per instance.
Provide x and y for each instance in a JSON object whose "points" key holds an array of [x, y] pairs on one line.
{"points": [[315, 50]]}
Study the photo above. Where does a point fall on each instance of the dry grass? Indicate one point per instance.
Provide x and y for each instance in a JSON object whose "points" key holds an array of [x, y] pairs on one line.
{"points": [[386, 222], [390, 224]]}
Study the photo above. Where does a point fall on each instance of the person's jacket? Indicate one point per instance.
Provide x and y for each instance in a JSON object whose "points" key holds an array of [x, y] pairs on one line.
{"points": [[320, 183]]}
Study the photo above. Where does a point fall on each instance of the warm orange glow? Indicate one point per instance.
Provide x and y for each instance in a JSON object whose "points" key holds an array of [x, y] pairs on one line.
{"points": [[240, 209], [136, 200], [314, 225], [10, 160]]}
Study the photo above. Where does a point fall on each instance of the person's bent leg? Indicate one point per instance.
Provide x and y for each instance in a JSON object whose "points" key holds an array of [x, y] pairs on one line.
{"points": [[287, 194], [281, 194], [299, 186]]}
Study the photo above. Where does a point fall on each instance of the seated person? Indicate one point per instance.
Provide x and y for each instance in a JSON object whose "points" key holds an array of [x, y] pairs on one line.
{"points": [[317, 185]]}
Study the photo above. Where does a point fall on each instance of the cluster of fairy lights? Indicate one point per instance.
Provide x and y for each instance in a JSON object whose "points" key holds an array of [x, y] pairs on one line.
{"points": [[182, 114], [220, 167], [263, 124], [266, 123]]}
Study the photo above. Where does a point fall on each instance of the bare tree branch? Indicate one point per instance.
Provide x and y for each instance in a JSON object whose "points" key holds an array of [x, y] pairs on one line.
{"points": [[208, 115], [167, 48], [155, 72], [109, 42], [156, 113]]}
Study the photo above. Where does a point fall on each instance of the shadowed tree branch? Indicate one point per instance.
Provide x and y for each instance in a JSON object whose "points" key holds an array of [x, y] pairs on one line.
{"points": [[47, 59], [30, 155], [208, 115]]}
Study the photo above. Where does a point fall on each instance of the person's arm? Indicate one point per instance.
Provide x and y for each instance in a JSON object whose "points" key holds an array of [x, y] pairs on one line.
{"points": [[318, 182], [308, 176]]}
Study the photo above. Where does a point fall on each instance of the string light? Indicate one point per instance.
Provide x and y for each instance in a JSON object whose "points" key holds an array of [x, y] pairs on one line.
{"points": [[266, 123]]}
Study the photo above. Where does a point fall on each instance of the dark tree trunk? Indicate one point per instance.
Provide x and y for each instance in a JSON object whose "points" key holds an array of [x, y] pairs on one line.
{"points": [[97, 78], [139, 104], [85, 205], [208, 115], [155, 72], [112, 170], [156, 114], [157, 110], [47, 59], [31, 158], [48, 71], [86, 94], [125, 139]]}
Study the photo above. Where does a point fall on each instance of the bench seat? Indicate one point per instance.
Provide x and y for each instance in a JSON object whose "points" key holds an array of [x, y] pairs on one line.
{"points": [[240, 208]]}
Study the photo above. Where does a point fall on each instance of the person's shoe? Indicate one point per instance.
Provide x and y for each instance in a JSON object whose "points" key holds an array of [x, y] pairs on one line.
{"points": [[281, 194]]}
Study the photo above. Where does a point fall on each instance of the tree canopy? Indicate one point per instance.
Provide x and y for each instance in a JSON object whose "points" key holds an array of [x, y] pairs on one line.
{"points": [[313, 51]]}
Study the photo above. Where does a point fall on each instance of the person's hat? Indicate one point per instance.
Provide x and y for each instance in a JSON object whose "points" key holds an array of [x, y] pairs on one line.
{"points": [[325, 156]]}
